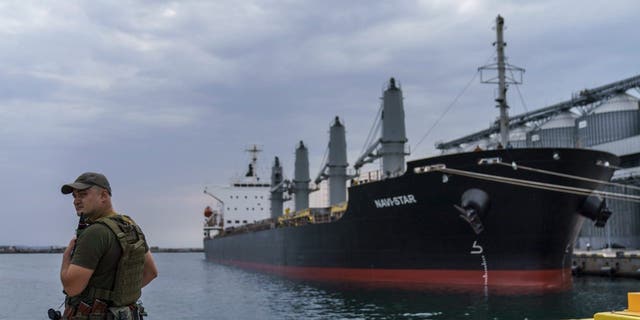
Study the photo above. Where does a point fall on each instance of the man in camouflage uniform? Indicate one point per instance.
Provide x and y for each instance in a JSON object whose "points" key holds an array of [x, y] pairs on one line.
{"points": [[103, 269]]}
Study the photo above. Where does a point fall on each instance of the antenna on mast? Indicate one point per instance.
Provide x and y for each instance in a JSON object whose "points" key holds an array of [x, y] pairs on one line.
{"points": [[502, 79], [253, 166]]}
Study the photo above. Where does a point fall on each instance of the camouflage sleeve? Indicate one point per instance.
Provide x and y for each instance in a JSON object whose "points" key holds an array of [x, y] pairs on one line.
{"points": [[92, 244]]}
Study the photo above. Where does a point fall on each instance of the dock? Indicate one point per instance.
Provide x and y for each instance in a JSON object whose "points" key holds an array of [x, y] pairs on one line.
{"points": [[606, 262]]}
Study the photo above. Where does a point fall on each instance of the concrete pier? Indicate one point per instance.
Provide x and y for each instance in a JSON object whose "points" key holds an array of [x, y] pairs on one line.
{"points": [[607, 262]]}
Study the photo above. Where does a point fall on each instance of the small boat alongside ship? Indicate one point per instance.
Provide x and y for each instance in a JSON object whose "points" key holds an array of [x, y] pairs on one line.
{"points": [[502, 218]]}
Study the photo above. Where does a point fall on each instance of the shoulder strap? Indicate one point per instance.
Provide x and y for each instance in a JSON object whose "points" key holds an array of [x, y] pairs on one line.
{"points": [[108, 221]]}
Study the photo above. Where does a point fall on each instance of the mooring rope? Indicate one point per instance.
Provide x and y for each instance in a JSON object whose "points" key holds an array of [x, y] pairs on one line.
{"points": [[537, 185], [516, 166]]}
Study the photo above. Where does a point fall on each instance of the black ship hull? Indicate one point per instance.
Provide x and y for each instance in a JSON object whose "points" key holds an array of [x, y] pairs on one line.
{"points": [[407, 230]]}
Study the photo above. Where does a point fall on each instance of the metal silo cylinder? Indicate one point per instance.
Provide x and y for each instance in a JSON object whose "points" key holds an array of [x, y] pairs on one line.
{"points": [[615, 119], [622, 229], [559, 132], [518, 137]]}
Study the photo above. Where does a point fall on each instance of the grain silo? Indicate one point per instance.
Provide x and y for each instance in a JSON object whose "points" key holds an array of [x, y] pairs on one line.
{"points": [[615, 119], [518, 137], [614, 126], [559, 131]]}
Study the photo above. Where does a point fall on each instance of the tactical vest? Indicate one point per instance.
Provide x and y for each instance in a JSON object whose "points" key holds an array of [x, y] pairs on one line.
{"points": [[127, 286]]}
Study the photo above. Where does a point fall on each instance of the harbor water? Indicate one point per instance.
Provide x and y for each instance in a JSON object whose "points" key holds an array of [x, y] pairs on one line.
{"points": [[191, 288]]}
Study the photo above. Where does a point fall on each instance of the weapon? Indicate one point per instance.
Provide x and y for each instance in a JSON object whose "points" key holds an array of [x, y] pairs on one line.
{"points": [[141, 311], [53, 314], [82, 224]]}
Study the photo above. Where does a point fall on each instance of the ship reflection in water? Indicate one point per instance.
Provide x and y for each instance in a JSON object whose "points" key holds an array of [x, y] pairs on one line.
{"points": [[287, 299], [346, 301]]}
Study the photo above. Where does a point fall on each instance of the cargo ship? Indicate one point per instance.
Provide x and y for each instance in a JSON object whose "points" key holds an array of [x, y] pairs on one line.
{"points": [[501, 218]]}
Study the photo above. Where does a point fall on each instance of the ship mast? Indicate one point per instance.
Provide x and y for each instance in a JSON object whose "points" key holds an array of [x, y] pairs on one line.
{"points": [[502, 86], [503, 80], [253, 167]]}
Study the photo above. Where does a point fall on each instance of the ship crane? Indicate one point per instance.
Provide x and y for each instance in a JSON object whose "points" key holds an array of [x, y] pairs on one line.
{"points": [[334, 169], [279, 186], [300, 185], [391, 146]]}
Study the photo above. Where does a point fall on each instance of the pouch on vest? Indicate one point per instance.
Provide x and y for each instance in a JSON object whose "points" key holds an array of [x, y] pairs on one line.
{"points": [[122, 313]]}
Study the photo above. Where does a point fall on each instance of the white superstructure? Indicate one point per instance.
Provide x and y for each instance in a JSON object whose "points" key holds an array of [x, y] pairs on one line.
{"points": [[244, 203], [246, 200]]}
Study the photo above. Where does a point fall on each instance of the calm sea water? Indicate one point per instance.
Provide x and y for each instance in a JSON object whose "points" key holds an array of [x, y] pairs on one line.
{"points": [[191, 288]]}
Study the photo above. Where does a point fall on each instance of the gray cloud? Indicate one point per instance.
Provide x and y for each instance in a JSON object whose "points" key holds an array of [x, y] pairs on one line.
{"points": [[163, 96]]}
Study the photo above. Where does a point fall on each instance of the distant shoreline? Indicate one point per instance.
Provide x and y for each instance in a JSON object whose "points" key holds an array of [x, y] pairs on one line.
{"points": [[56, 249]]}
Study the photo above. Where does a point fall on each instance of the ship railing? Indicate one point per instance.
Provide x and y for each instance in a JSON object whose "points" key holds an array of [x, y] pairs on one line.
{"points": [[259, 225], [302, 217], [366, 177], [295, 219], [214, 220], [334, 213], [339, 208], [211, 232], [313, 215]]}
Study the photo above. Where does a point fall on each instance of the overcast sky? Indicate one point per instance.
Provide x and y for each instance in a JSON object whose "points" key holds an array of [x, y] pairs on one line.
{"points": [[163, 97]]}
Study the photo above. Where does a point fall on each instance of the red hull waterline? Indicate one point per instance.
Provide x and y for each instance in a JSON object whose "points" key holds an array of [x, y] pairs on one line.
{"points": [[498, 281]]}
